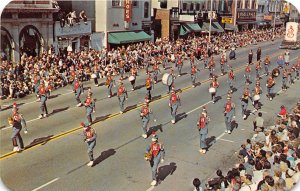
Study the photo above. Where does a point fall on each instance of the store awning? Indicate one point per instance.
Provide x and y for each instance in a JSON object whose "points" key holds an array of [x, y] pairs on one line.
{"points": [[194, 27], [218, 27], [230, 27], [127, 37], [205, 28], [183, 30]]}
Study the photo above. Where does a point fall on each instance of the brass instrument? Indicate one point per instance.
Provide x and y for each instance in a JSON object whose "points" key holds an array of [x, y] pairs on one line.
{"points": [[148, 156], [275, 72]]}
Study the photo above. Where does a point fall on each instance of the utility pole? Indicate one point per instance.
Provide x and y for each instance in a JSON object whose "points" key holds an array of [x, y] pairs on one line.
{"points": [[275, 17], [209, 34], [235, 12]]}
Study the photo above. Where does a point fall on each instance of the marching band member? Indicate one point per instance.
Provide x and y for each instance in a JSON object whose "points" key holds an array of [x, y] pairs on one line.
{"points": [[145, 116], [270, 86], [36, 85], [194, 75], [43, 94], [247, 74], [149, 86], [214, 84], [203, 130], [222, 64], [173, 76], [244, 101], [291, 73], [155, 72], [211, 67], [258, 54], [16, 136], [284, 79], [179, 65], [231, 77], [174, 104], [298, 69], [134, 74], [17, 116], [256, 95], [90, 138], [155, 154], [250, 56], [229, 113], [122, 95], [121, 68], [78, 90], [205, 59], [257, 69], [267, 63], [90, 107], [164, 61], [109, 83]]}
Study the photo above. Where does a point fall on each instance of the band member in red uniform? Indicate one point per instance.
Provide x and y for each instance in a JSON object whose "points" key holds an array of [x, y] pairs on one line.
{"points": [[90, 138], [203, 130], [134, 74], [149, 86], [222, 64], [174, 104], [17, 116], [256, 95], [179, 65], [247, 74], [122, 95], [214, 84], [17, 140], [145, 116], [298, 69], [270, 86], [244, 100], [231, 77], [156, 154], [211, 66], [173, 76], [43, 94], [78, 90], [194, 71], [155, 72], [229, 113], [267, 63], [90, 107], [284, 79], [109, 83], [257, 69]]}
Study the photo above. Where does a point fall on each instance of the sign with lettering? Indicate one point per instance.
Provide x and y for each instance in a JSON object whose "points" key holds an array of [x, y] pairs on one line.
{"points": [[80, 29], [227, 20], [291, 31], [246, 14], [268, 17], [127, 10]]}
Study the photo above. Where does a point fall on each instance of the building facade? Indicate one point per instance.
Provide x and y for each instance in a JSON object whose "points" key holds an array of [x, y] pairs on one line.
{"points": [[26, 27]]}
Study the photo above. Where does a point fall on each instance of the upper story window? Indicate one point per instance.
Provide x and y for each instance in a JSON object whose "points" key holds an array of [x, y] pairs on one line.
{"points": [[146, 9], [116, 3], [135, 3], [197, 6], [184, 6], [192, 6]]}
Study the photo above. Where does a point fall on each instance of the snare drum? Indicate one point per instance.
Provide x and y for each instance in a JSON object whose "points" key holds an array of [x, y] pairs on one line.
{"points": [[212, 90], [93, 76], [131, 78], [167, 79], [256, 97]]}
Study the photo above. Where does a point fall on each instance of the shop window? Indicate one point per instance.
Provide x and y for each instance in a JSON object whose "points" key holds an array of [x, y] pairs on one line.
{"points": [[116, 3], [163, 4], [184, 6], [146, 9]]}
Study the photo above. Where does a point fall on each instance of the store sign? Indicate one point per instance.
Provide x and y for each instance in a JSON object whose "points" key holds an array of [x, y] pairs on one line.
{"points": [[246, 14], [212, 15], [227, 20], [127, 10], [268, 17], [75, 30], [291, 31]]}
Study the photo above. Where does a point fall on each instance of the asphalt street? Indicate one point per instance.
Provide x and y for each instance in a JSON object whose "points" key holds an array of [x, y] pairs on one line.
{"points": [[58, 159]]}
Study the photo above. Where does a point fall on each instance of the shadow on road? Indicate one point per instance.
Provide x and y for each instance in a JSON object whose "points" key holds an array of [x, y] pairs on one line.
{"points": [[54, 96], [210, 141], [234, 125], [128, 108], [101, 118], [218, 98], [165, 171], [155, 128], [58, 110], [104, 155], [156, 97], [42, 140], [139, 87], [181, 116]]}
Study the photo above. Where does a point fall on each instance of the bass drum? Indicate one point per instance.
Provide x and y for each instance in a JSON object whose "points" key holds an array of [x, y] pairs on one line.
{"points": [[256, 97], [167, 79], [212, 90], [131, 78]]}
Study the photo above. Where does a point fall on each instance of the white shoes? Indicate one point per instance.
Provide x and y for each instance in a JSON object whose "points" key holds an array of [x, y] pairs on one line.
{"points": [[173, 121], [226, 131], [153, 183], [229, 132], [121, 112], [41, 116], [25, 131], [144, 136], [193, 86], [203, 151], [109, 96], [90, 163], [16, 149], [78, 105], [244, 117]]}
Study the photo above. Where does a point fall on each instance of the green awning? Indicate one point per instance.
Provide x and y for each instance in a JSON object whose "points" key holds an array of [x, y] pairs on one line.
{"points": [[183, 30], [218, 27], [194, 27], [230, 27], [205, 28], [127, 37]]}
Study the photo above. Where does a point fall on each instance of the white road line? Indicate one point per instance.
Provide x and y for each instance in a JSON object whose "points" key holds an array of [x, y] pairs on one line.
{"points": [[38, 188], [220, 136], [226, 140], [198, 107], [151, 188]]}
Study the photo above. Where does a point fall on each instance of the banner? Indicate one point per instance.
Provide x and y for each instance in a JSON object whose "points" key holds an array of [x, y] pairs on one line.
{"points": [[291, 31], [127, 10]]}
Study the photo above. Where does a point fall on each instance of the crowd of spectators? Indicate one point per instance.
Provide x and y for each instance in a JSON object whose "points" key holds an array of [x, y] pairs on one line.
{"points": [[269, 161], [57, 70]]}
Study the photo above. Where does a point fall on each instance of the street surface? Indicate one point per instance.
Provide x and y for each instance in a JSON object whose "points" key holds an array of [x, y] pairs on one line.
{"points": [[56, 156]]}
